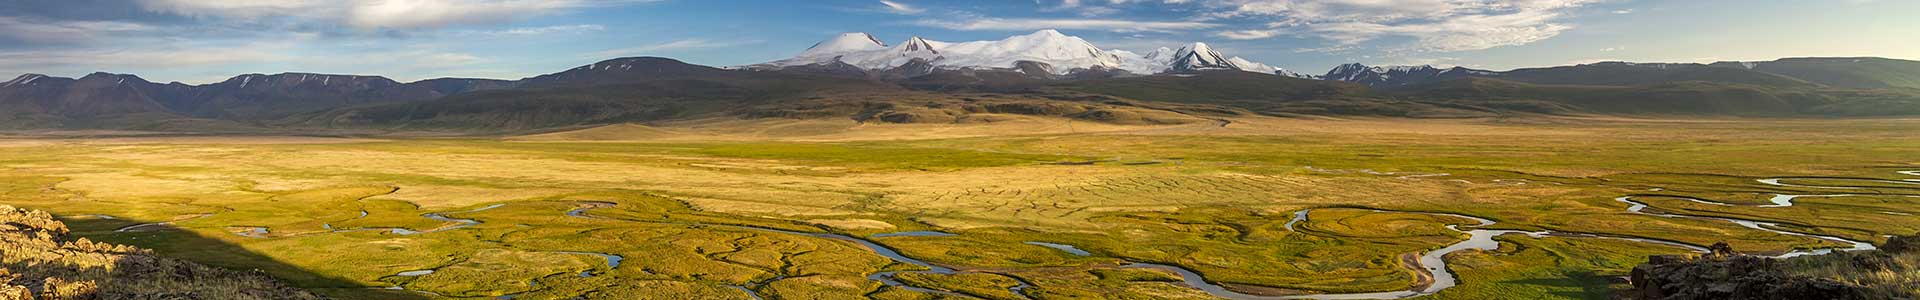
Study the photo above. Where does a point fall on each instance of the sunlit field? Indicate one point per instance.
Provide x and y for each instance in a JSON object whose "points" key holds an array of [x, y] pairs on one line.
{"points": [[1259, 207]]}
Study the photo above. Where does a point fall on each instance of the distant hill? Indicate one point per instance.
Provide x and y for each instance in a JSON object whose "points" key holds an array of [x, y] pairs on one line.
{"points": [[1209, 86], [655, 89], [612, 91], [1849, 72], [1272, 95], [1604, 73], [1837, 72], [1631, 74], [121, 101], [1698, 98], [256, 96], [1387, 77]]}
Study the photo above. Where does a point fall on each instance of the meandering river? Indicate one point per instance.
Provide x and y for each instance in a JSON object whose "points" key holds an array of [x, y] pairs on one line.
{"points": [[1431, 264]]}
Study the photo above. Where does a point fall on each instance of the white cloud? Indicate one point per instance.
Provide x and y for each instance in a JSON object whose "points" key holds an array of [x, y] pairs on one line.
{"points": [[671, 46], [1248, 34], [63, 32], [375, 14], [1434, 25], [1084, 10], [1329, 49], [1623, 11], [999, 24], [1097, 11], [533, 31], [129, 59], [896, 7], [1584, 61]]}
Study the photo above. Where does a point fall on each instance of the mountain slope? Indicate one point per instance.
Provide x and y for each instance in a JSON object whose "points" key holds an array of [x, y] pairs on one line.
{"points": [[1694, 98], [40, 101], [450, 86], [1602, 74], [1396, 76], [612, 91], [94, 95], [1627, 74], [257, 96], [1852, 72], [1265, 94], [1198, 82]]}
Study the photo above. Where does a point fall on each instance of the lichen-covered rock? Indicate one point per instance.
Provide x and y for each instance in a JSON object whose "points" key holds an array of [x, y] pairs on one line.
{"points": [[1726, 275], [38, 262], [1901, 244]]}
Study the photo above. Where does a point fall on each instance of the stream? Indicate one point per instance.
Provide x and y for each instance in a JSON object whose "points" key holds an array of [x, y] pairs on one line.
{"points": [[1640, 207], [876, 248], [1434, 263], [137, 227], [458, 223], [1431, 264]]}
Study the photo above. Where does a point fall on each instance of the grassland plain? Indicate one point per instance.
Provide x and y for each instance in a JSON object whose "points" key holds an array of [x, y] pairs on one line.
{"points": [[732, 216]]}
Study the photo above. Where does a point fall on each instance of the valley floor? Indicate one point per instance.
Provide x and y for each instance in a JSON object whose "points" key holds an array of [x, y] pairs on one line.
{"points": [[1031, 209]]}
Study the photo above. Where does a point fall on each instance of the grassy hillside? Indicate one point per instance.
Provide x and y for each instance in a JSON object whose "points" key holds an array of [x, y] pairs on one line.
{"points": [[1695, 98], [1849, 72], [1268, 94], [1632, 74]]}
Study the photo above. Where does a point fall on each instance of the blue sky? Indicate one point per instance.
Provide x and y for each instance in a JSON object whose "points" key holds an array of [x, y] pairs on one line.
{"points": [[200, 41]]}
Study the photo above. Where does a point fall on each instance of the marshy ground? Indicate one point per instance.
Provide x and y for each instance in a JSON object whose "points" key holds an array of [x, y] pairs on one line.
{"points": [[741, 216]]}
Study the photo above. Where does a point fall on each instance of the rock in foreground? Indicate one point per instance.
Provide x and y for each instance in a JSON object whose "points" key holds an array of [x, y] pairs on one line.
{"points": [[38, 262], [1727, 275]]}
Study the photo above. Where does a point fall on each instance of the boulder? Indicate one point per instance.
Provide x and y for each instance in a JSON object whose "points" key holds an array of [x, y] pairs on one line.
{"points": [[1723, 274]]}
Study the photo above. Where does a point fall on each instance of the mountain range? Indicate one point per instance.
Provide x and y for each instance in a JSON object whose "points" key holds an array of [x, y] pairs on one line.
{"points": [[1045, 52], [1045, 74]]}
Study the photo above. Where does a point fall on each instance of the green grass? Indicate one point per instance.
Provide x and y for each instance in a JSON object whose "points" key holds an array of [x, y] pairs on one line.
{"points": [[1216, 204]]}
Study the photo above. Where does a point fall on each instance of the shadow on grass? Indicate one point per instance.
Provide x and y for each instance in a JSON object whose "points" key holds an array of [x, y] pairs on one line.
{"points": [[188, 245], [1591, 285]]}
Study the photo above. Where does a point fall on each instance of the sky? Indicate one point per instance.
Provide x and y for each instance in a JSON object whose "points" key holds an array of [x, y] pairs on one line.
{"points": [[204, 41]]}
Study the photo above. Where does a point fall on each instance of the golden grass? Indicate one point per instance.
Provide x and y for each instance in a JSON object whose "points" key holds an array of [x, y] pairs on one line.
{"points": [[1206, 197]]}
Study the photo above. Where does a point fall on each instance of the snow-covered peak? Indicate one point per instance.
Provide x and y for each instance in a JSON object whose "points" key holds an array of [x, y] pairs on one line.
{"points": [[1061, 53], [1046, 46], [1251, 66], [844, 43], [1397, 75], [1047, 33], [255, 81], [1195, 47], [917, 44], [116, 79], [1290, 73], [24, 79], [1392, 69], [1198, 57], [1161, 54]]}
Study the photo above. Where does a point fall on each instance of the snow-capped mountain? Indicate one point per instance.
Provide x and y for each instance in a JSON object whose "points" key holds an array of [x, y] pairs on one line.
{"points": [[843, 43], [1060, 54], [1397, 75], [1200, 57]]}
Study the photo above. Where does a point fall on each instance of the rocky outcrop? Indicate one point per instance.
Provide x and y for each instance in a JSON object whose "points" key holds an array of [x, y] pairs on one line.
{"points": [[1726, 275], [38, 261]]}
